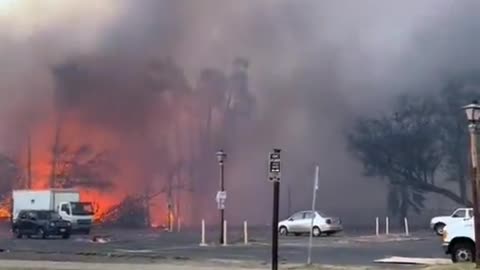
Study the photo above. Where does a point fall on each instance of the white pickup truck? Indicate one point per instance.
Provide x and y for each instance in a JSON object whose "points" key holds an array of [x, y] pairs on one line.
{"points": [[459, 241], [461, 214]]}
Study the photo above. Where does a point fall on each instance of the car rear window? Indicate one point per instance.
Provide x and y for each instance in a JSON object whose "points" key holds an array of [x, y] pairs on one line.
{"points": [[44, 214]]}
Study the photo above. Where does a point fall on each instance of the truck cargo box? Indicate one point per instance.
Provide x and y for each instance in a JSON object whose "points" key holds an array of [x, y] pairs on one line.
{"points": [[41, 199]]}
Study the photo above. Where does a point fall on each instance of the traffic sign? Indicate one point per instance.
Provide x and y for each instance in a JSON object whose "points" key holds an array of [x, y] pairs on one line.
{"points": [[220, 199], [221, 195], [274, 172]]}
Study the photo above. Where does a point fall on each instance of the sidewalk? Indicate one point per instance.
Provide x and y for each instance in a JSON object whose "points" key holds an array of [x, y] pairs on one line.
{"points": [[49, 265]]}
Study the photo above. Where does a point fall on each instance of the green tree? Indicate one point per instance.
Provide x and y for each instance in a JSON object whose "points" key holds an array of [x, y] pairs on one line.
{"points": [[404, 148]]}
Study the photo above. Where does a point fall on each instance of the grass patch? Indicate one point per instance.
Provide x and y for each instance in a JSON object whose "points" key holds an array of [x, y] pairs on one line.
{"points": [[330, 267], [457, 266]]}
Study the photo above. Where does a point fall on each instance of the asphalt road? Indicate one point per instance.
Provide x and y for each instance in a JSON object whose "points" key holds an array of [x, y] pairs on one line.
{"points": [[152, 246]]}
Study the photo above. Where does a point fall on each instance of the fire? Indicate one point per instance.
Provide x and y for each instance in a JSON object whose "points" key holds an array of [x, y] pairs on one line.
{"points": [[5, 213], [5, 206], [101, 202]]}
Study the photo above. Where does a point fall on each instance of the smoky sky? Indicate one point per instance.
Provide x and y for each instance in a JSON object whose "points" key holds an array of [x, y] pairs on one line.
{"points": [[314, 67]]}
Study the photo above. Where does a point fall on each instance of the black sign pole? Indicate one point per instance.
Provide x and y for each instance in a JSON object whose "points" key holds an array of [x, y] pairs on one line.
{"points": [[274, 176], [276, 193]]}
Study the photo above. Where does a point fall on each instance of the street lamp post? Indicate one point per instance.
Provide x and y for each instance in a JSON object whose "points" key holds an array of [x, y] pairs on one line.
{"points": [[473, 116], [221, 195]]}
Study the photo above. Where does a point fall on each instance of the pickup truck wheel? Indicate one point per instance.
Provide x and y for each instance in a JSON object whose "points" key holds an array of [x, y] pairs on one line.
{"points": [[283, 231], [66, 236], [439, 228], [463, 252]]}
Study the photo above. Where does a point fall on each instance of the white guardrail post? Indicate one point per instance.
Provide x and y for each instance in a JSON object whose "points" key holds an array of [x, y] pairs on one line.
{"points": [[245, 232], [203, 243], [386, 226], [225, 232], [407, 232]]}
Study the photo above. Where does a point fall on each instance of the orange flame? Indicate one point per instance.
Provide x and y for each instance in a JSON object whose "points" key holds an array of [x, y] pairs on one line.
{"points": [[4, 213]]}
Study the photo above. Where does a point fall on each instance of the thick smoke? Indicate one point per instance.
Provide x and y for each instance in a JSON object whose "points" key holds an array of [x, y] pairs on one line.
{"points": [[314, 66]]}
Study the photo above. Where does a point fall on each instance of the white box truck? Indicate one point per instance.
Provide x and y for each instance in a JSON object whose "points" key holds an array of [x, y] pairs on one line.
{"points": [[66, 202]]}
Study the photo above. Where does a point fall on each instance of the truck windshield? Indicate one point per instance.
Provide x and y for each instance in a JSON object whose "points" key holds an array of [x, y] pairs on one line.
{"points": [[82, 209]]}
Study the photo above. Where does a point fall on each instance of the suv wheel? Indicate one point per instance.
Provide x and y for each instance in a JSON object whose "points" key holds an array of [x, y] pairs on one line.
{"points": [[17, 233], [463, 252], [41, 233]]}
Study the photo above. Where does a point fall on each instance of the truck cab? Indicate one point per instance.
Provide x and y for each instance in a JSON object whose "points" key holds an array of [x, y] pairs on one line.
{"points": [[459, 241], [80, 214], [461, 214]]}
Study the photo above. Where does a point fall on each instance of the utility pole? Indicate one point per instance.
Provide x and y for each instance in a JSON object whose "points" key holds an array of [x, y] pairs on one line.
{"points": [[170, 207], [475, 185], [56, 152], [177, 202], [289, 199], [274, 175], [314, 214], [29, 160], [473, 116], [146, 204], [222, 194]]}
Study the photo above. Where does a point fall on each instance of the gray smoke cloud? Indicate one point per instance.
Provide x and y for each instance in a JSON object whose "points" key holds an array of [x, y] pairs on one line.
{"points": [[315, 65]]}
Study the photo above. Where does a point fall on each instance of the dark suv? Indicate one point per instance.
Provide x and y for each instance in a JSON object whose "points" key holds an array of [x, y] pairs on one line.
{"points": [[40, 223]]}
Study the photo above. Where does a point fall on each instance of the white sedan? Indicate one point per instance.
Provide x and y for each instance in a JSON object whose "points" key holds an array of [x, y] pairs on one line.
{"points": [[300, 223]]}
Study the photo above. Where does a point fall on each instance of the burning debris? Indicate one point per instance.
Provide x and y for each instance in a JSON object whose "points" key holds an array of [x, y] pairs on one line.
{"points": [[101, 239], [5, 206], [130, 212]]}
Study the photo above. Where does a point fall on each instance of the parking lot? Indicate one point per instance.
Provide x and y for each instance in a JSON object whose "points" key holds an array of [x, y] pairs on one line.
{"points": [[146, 246]]}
